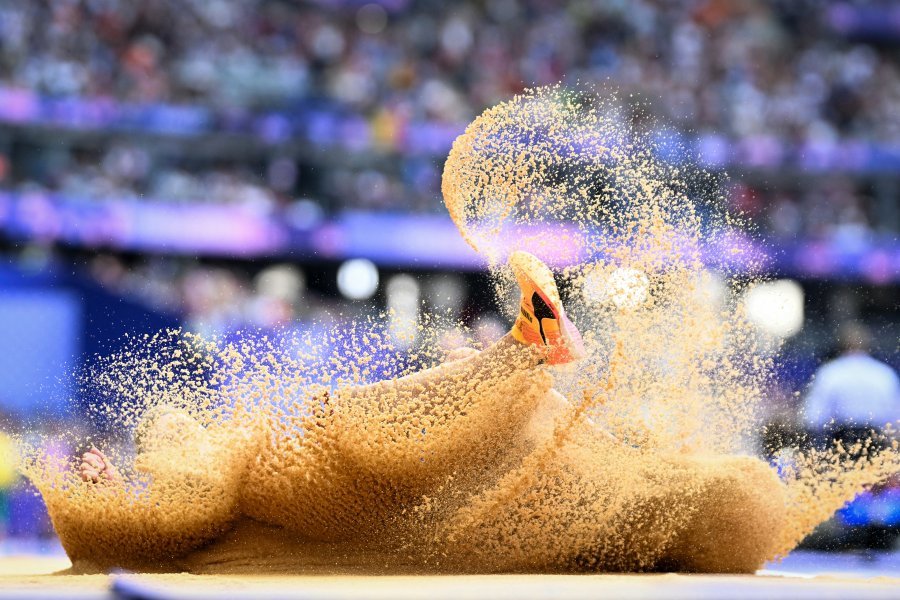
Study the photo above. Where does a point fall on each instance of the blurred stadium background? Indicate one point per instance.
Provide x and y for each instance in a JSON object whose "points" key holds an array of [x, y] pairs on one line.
{"points": [[268, 163]]}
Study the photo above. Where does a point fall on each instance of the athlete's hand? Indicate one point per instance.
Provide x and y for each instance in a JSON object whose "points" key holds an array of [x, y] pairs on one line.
{"points": [[95, 467]]}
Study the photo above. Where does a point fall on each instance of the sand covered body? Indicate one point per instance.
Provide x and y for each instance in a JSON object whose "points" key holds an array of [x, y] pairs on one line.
{"points": [[312, 452], [489, 486]]}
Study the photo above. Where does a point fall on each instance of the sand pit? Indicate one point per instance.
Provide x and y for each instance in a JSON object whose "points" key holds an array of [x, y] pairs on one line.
{"points": [[29, 577], [363, 449]]}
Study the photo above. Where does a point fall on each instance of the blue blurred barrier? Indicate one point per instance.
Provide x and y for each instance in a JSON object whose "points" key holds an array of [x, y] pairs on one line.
{"points": [[393, 239], [870, 508], [52, 324], [39, 331]]}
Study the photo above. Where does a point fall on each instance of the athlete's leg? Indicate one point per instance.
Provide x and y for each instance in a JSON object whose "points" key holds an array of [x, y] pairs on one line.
{"points": [[542, 334], [448, 411], [370, 449]]}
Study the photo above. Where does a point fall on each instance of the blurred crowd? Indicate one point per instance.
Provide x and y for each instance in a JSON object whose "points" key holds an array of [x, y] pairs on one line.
{"points": [[218, 298], [745, 68], [213, 299], [750, 70], [837, 208], [125, 171]]}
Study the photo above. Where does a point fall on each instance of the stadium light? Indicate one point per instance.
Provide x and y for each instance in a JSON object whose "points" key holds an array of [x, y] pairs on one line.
{"points": [[776, 307], [357, 279], [625, 288], [403, 293]]}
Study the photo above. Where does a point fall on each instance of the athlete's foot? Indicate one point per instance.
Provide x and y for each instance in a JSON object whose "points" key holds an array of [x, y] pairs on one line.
{"points": [[96, 468], [542, 320]]}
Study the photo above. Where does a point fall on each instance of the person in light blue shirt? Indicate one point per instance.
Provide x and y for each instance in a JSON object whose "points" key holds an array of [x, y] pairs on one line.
{"points": [[853, 390], [851, 397]]}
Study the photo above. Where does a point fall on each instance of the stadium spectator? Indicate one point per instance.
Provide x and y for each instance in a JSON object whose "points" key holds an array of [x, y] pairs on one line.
{"points": [[853, 393]]}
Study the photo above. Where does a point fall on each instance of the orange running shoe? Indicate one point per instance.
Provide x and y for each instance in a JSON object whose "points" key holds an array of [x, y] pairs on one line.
{"points": [[542, 320]]}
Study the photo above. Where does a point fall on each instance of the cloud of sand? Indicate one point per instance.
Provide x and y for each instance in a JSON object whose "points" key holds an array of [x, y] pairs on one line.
{"points": [[641, 459]]}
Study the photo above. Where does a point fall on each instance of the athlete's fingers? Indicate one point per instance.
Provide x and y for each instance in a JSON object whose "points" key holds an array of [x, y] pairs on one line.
{"points": [[89, 474], [94, 461]]}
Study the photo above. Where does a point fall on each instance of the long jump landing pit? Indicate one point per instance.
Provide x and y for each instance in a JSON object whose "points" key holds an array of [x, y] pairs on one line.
{"points": [[634, 458], [34, 578]]}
